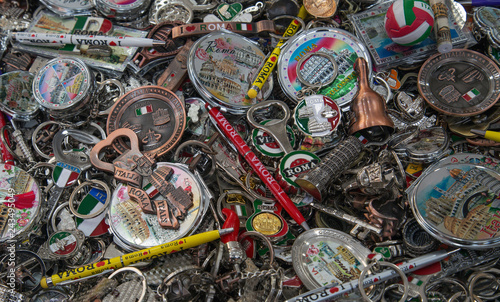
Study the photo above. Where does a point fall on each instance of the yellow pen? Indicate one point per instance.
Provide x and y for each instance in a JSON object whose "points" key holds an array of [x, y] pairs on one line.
{"points": [[134, 257], [492, 135], [268, 67]]}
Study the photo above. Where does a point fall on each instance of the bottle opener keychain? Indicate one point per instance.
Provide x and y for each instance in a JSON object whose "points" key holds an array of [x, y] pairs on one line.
{"points": [[293, 162]]}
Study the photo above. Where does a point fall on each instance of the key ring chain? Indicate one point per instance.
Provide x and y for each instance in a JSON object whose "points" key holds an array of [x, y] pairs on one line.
{"points": [[299, 20], [99, 211], [387, 264], [317, 84], [137, 271]]}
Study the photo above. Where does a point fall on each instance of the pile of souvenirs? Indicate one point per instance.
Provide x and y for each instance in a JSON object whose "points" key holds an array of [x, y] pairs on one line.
{"points": [[246, 150]]}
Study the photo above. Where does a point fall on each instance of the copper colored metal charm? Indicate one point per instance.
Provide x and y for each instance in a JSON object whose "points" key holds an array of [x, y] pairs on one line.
{"points": [[176, 71], [154, 113], [321, 8], [369, 110], [129, 167], [460, 83]]}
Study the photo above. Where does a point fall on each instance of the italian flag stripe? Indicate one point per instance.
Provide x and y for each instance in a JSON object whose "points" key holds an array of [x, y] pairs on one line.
{"points": [[70, 242], [150, 190], [94, 226], [244, 26], [361, 138], [415, 281], [144, 110], [471, 94], [94, 201], [241, 211], [64, 177]]}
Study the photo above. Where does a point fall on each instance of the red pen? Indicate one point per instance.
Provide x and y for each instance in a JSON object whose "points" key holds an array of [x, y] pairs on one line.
{"points": [[252, 159]]}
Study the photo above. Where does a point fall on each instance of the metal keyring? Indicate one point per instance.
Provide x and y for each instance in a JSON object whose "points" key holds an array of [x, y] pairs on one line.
{"points": [[266, 241], [249, 189], [388, 97], [137, 271], [388, 264], [170, 8], [329, 57], [102, 209], [40, 127], [473, 282], [312, 23], [436, 283], [302, 27], [204, 147], [224, 194], [55, 214]]}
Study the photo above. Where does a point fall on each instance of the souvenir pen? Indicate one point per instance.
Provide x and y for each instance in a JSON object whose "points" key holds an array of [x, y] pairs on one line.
{"points": [[492, 135], [252, 159], [134, 257], [335, 290], [270, 63], [62, 39]]}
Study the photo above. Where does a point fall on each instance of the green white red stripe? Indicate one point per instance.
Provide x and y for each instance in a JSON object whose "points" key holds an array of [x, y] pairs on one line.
{"points": [[69, 243], [471, 94], [244, 26], [92, 203], [65, 175], [151, 190], [415, 281], [240, 210], [361, 138], [144, 110]]}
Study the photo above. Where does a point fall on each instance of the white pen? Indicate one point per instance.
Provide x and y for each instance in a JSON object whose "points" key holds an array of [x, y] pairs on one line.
{"points": [[335, 290], [61, 39]]}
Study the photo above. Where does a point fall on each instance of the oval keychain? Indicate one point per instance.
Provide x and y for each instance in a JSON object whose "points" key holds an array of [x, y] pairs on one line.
{"points": [[294, 162]]}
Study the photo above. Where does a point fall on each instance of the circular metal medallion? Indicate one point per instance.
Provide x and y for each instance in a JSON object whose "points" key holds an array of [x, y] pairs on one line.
{"points": [[295, 164], [460, 83], [341, 45], [222, 66], [325, 256], [321, 8], [16, 95], [21, 198], [154, 113], [63, 86], [456, 200], [134, 229], [267, 223], [63, 243], [317, 115]]}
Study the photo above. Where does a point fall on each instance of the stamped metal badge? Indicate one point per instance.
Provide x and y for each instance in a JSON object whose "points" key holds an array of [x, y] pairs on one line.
{"points": [[317, 115], [460, 83], [154, 113]]}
